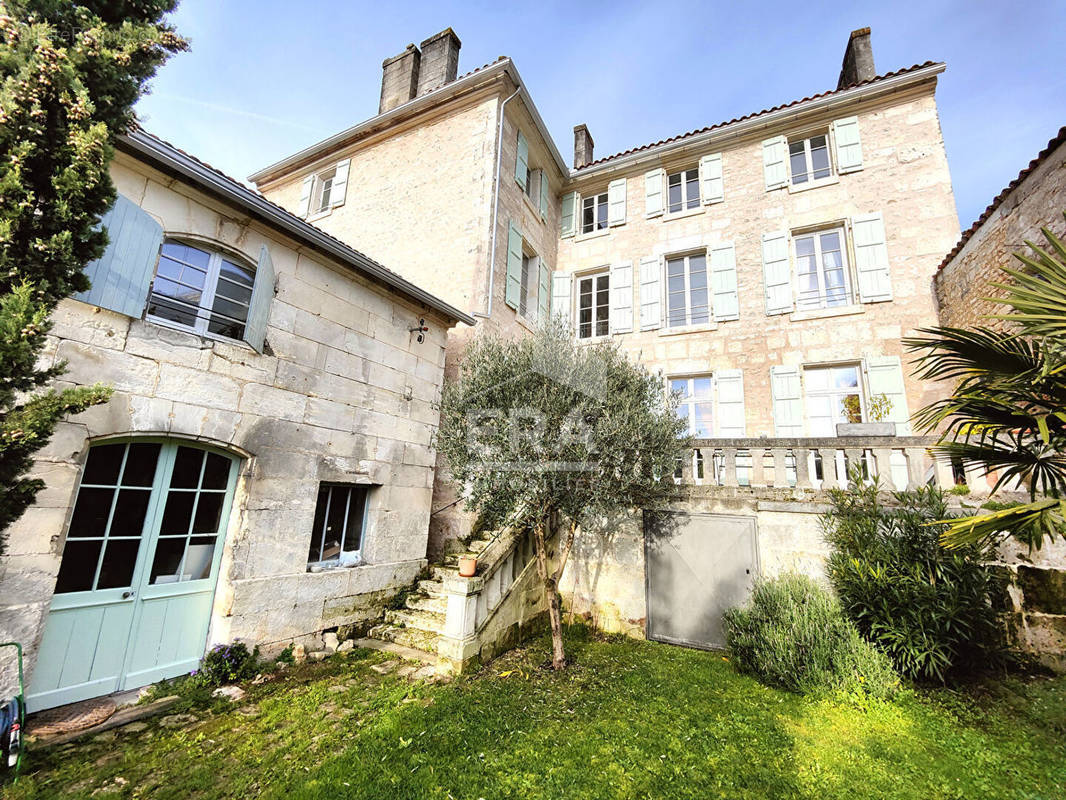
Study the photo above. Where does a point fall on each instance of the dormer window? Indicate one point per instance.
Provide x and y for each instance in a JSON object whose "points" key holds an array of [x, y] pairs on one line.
{"points": [[325, 190]]}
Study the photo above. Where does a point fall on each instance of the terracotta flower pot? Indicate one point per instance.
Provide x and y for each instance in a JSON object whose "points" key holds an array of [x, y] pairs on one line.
{"points": [[467, 566]]}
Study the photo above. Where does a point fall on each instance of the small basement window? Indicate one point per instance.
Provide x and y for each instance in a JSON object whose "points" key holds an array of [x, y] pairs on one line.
{"points": [[340, 519]]}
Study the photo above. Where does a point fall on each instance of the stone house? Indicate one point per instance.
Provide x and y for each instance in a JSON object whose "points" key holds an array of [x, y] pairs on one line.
{"points": [[264, 469]]}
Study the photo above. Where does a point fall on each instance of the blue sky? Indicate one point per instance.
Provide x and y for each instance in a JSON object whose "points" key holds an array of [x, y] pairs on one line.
{"points": [[266, 78]]}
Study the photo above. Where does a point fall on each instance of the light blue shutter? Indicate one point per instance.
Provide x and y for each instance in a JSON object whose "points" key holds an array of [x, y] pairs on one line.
{"points": [[730, 395], [622, 297], [561, 298], [651, 301], [521, 164], [616, 202], [339, 188], [304, 205], [788, 401], [871, 258], [773, 162], [724, 282], [121, 276], [848, 145], [653, 192], [259, 306], [543, 293], [711, 178], [513, 289], [544, 195], [569, 214], [884, 375], [777, 272]]}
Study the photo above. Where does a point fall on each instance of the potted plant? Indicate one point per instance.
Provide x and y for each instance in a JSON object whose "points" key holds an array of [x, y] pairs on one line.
{"points": [[467, 565], [878, 424]]}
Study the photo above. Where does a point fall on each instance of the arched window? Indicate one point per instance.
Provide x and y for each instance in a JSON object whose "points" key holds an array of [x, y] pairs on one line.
{"points": [[201, 289]]}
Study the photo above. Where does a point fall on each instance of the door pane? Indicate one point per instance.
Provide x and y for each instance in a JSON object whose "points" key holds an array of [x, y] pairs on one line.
{"points": [[198, 557], [208, 512], [178, 513], [128, 519], [167, 561], [140, 464], [78, 568], [187, 468], [91, 512], [120, 558]]}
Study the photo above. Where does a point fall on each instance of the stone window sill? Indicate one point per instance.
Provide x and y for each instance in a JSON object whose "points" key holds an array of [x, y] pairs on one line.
{"points": [[690, 212], [822, 313], [804, 187], [207, 340], [584, 237], [683, 329]]}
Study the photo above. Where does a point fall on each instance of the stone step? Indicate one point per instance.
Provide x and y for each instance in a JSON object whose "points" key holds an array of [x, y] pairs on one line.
{"points": [[434, 604], [413, 638], [406, 653], [477, 545], [422, 620], [431, 588], [441, 572]]}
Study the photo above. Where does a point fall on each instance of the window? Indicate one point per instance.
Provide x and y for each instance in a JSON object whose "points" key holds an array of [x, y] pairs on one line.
{"points": [[340, 517], [834, 394], [323, 190], [594, 213], [527, 295], [687, 298], [202, 290], [822, 270], [683, 189], [696, 403], [809, 159], [593, 306]]}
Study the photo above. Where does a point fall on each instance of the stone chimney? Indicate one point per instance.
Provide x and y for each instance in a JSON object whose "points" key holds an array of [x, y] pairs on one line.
{"points": [[440, 61], [582, 146], [858, 60], [399, 78]]}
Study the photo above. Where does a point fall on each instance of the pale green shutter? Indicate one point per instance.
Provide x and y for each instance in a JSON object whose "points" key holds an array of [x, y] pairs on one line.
{"points": [[121, 276], [653, 192], [729, 385], [773, 162], [871, 258], [339, 188], [561, 308], [513, 289], [521, 165], [544, 195], [622, 297], [543, 293], [724, 282], [259, 306], [616, 202], [711, 178], [788, 401], [651, 302], [569, 214], [306, 187], [848, 145], [777, 272], [884, 375]]}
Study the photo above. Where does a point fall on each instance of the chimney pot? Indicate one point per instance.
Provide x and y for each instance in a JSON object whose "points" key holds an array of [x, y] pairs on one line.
{"points": [[399, 78], [583, 145], [858, 63], [440, 61]]}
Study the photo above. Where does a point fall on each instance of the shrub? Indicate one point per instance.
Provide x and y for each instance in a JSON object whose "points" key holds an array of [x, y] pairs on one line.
{"points": [[228, 663], [926, 606], [286, 656], [795, 636]]}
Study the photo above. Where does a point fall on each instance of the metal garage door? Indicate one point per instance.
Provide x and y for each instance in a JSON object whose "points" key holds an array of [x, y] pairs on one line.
{"points": [[698, 565]]}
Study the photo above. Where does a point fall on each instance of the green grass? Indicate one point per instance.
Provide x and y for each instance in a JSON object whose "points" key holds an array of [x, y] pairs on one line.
{"points": [[629, 719]]}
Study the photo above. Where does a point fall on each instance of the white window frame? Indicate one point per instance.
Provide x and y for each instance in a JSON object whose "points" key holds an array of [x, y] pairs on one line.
{"points": [[320, 201], [687, 203], [529, 286], [598, 200], [578, 280], [207, 294], [823, 300], [344, 557], [686, 258], [832, 392], [691, 403], [808, 161]]}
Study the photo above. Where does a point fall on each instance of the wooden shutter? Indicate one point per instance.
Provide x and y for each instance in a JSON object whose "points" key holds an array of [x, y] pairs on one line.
{"points": [[543, 195], [711, 178], [569, 214], [773, 162], [622, 297], [513, 288], [788, 401], [616, 202], [724, 282], [121, 276], [848, 145], [871, 258], [777, 272], [653, 192], [561, 309], [521, 165], [340, 183], [259, 306], [651, 301], [729, 384], [304, 206], [884, 375], [543, 292]]}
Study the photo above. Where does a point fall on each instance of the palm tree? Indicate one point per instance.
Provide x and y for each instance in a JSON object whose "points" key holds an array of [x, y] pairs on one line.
{"points": [[1007, 414]]}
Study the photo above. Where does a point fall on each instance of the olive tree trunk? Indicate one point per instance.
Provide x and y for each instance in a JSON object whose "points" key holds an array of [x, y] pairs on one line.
{"points": [[551, 578]]}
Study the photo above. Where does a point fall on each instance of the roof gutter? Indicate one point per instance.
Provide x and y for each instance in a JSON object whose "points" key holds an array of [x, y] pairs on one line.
{"points": [[175, 161], [766, 120]]}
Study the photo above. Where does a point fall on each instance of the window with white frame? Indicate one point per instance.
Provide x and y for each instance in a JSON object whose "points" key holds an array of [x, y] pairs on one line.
{"points": [[528, 291], [340, 517], [683, 190], [688, 302], [201, 289], [594, 213], [593, 305], [833, 394], [323, 190], [822, 276], [809, 159], [696, 403]]}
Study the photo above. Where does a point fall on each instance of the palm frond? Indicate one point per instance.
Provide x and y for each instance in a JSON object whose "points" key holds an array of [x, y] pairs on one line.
{"points": [[1030, 523]]}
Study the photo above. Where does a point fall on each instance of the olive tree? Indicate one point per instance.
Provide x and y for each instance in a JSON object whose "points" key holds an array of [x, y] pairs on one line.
{"points": [[545, 434]]}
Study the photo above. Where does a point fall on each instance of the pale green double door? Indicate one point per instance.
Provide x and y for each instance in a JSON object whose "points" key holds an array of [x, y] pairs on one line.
{"points": [[133, 598]]}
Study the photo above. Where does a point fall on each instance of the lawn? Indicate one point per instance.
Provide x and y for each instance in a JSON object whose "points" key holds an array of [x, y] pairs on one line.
{"points": [[629, 719]]}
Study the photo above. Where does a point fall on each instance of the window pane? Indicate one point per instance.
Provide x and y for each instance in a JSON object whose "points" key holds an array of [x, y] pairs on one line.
{"points": [[701, 387], [187, 468], [697, 270], [168, 269], [236, 292], [120, 557], [231, 312], [140, 464], [679, 385], [692, 189], [177, 514], [702, 417], [700, 309], [187, 253], [798, 162], [130, 509], [198, 557], [588, 215], [103, 464], [237, 273], [78, 568], [167, 561], [315, 552], [674, 192], [601, 214], [816, 379], [208, 512], [165, 308], [91, 512], [216, 472], [846, 377], [353, 537], [335, 523], [805, 246], [819, 157]]}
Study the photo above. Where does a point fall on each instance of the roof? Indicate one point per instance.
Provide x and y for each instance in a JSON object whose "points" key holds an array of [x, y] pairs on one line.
{"points": [[854, 89], [176, 161], [501, 66], [1052, 146]]}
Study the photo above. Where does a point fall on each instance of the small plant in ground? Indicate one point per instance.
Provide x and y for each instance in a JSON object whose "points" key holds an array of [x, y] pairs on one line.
{"points": [[926, 606], [960, 490], [286, 656], [228, 663], [795, 636]]}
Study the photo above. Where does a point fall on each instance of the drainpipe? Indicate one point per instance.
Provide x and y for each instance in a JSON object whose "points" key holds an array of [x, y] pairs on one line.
{"points": [[496, 207]]}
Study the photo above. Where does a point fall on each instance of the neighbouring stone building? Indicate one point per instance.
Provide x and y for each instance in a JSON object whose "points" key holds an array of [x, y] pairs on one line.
{"points": [[265, 467]]}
